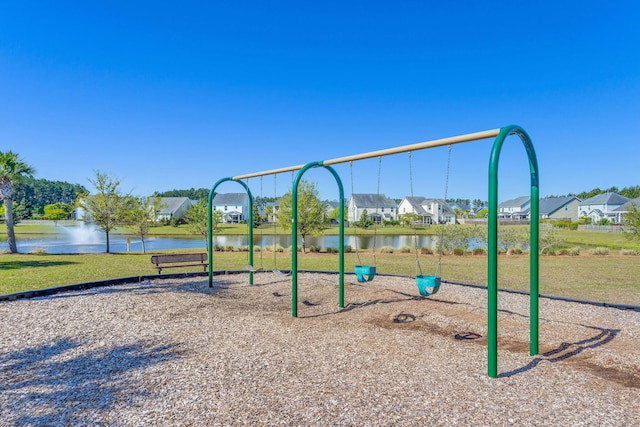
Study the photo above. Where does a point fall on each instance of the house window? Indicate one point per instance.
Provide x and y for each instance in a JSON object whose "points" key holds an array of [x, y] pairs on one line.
{"points": [[225, 208]]}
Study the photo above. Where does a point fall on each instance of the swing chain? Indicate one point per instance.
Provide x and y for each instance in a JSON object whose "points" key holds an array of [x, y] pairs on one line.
{"points": [[446, 190], [355, 227], [375, 226], [415, 229]]}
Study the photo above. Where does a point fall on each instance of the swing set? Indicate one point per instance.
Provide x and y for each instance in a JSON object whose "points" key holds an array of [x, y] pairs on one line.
{"points": [[428, 285]]}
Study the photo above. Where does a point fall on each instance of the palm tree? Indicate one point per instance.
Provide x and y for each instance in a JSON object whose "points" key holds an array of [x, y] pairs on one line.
{"points": [[12, 168]]}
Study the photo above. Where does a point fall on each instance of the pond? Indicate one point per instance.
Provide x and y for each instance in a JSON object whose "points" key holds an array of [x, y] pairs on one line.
{"points": [[85, 239]]}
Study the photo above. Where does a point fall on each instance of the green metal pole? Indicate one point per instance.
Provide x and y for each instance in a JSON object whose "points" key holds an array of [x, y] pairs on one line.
{"points": [[492, 274], [341, 237], [534, 292], [492, 264], [294, 236], [210, 228]]}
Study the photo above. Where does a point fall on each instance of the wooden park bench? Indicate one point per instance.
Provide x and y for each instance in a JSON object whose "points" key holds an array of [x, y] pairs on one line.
{"points": [[180, 260]]}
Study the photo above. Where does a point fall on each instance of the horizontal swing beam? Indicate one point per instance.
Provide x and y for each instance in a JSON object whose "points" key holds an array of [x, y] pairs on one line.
{"points": [[386, 152]]}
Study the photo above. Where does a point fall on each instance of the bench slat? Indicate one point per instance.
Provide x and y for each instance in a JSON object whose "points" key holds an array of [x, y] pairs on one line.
{"points": [[180, 260]]}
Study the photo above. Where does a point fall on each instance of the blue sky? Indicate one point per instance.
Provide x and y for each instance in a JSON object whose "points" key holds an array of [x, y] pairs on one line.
{"points": [[174, 95]]}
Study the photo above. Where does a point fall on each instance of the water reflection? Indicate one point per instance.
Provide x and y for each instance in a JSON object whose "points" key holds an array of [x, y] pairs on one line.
{"points": [[66, 243]]}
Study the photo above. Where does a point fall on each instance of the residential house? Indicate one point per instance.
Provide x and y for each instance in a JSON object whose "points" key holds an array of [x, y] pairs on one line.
{"points": [[516, 209], [462, 209], [234, 207], [559, 208], [330, 208], [173, 208], [431, 211], [378, 206], [602, 206], [633, 203], [271, 211]]}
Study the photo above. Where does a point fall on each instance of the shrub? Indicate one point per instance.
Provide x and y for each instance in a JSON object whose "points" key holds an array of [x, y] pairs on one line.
{"points": [[217, 248], [274, 248], [426, 251], [599, 251], [514, 251], [629, 252], [549, 251], [348, 249], [405, 250], [314, 248], [392, 222], [575, 251], [229, 248], [478, 251], [332, 250], [458, 251], [566, 224], [38, 251], [386, 250], [257, 248], [243, 249]]}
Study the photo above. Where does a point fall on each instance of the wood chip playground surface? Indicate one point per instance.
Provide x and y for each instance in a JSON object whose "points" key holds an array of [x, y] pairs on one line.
{"points": [[172, 351]]}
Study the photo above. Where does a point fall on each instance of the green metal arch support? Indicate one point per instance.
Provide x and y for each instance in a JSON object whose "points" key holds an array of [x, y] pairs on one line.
{"points": [[492, 304], [294, 236], [210, 228]]}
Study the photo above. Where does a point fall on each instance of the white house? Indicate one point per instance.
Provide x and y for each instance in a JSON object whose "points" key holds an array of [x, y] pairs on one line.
{"points": [[517, 208], [234, 207], [378, 206], [173, 208], [602, 206], [432, 211]]}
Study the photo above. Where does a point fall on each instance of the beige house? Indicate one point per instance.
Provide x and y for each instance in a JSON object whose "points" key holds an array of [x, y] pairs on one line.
{"points": [[173, 208]]}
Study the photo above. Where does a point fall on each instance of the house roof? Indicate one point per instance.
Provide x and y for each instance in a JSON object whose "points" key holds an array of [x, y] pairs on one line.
{"points": [[169, 205], [462, 206], [551, 204], [374, 201], [628, 205], [605, 199], [416, 204], [237, 199], [518, 202]]}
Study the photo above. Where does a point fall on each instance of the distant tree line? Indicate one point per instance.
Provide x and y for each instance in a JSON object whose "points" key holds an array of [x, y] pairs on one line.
{"points": [[628, 192], [192, 193], [32, 195]]}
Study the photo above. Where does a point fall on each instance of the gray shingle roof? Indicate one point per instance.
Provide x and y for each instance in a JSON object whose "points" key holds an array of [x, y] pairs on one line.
{"points": [[169, 205], [515, 203], [416, 204], [369, 201], [605, 199], [551, 204], [236, 199], [628, 205]]}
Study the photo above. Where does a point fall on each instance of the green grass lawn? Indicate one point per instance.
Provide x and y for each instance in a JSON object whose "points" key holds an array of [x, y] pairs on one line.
{"points": [[611, 278]]}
